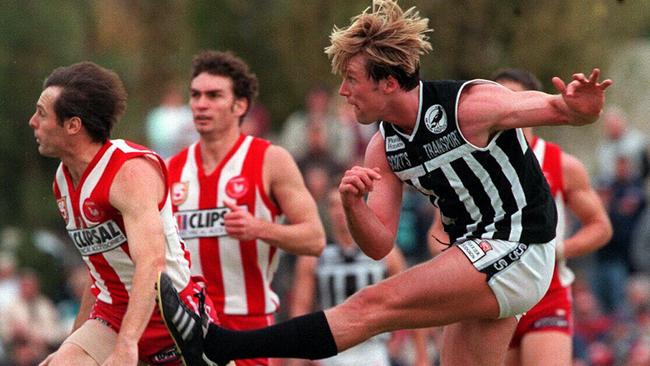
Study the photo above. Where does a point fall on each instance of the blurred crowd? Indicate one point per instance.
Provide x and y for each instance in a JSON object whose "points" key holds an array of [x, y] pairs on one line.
{"points": [[612, 289]]}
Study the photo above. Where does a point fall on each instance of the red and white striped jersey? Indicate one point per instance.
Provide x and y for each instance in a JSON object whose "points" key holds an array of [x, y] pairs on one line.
{"points": [[238, 273], [549, 156], [97, 228]]}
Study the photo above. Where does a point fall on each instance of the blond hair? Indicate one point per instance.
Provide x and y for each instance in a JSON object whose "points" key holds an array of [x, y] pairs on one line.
{"points": [[388, 36]]}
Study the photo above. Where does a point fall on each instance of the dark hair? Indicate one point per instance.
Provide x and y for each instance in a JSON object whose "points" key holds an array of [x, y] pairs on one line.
{"points": [[94, 94], [378, 71], [244, 82], [525, 78]]}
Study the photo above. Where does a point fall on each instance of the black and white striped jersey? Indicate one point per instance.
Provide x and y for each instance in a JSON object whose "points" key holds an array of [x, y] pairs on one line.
{"points": [[340, 274], [496, 192]]}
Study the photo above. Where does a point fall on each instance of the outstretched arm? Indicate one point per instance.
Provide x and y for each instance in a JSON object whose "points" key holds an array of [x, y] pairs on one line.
{"points": [[486, 108], [583, 98], [373, 224], [585, 204]]}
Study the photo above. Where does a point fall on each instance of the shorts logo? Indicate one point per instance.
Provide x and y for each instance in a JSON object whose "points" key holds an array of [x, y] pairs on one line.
{"points": [[63, 208], [485, 246], [164, 356], [435, 119], [472, 250], [512, 257], [237, 187], [92, 211], [394, 143], [557, 322], [179, 192]]}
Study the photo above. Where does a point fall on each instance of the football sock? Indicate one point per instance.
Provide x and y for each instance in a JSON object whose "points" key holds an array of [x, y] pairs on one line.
{"points": [[308, 337]]}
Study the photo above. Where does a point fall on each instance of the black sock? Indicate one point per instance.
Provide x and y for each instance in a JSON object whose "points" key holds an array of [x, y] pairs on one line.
{"points": [[308, 336]]}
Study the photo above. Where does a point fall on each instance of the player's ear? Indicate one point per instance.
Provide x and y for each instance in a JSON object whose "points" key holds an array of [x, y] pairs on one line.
{"points": [[390, 84], [240, 106], [72, 125]]}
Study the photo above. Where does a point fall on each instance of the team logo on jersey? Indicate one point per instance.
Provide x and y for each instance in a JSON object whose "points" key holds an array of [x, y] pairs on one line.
{"points": [[63, 208], [394, 143], [237, 187], [92, 211], [179, 192], [435, 119]]}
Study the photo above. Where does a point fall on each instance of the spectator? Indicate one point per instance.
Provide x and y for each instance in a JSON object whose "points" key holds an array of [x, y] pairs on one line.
{"points": [[342, 270], [30, 325], [591, 324], [317, 151], [257, 122], [414, 222], [624, 339], [622, 140], [8, 291], [300, 126], [319, 179], [169, 126], [68, 309], [600, 354], [8, 280], [625, 201], [639, 355], [640, 246]]}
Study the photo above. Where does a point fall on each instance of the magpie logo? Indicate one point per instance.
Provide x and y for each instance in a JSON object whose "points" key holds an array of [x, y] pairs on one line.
{"points": [[435, 119]]}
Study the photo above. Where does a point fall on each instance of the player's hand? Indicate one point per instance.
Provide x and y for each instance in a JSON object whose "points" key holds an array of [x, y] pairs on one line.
{"points": [[240, 224], [584, 96], [357, 182]]}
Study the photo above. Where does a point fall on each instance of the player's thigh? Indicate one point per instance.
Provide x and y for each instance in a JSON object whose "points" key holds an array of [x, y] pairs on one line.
{"points": [[479, 278], [477, 342], [440, 291], [546, 348], [91, 344], [513, 357]]}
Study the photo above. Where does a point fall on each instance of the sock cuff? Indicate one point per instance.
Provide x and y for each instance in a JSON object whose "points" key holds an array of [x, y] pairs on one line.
{"points": [[314, 333]]}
